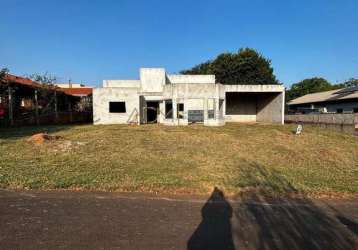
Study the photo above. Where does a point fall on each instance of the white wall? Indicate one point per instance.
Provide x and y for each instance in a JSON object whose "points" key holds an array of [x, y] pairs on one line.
{"points": [[253, 88], [196, 79], [181, 90], [152, 79], [101, 99], [240, 118], [121, 84]]}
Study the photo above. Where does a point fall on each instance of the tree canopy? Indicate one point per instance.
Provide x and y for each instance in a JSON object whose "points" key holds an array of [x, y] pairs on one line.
{"points": [[353, 82], [43, 78], [3, 72], [247, 66], [308, 86]]}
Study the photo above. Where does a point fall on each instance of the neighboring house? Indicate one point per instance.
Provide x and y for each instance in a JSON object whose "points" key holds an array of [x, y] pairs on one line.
{"points": [[158, 97], [75, 89], [81, 91], [27, 102], [334, 101]]}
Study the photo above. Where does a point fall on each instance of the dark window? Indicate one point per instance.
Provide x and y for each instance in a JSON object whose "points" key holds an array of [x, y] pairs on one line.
{"points": [[117, 107], [211, 114], [168, 109], [355, 110], [211, 108], [180, 107], [339, 111]]}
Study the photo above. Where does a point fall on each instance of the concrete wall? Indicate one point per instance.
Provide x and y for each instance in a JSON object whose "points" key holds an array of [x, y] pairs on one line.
{"points": [[182, 90], [196, 79], [347, 123], [348, 119], [253, 88], [101, 99], [270, 108], [195, 104], [121, 84], [152, 79]]}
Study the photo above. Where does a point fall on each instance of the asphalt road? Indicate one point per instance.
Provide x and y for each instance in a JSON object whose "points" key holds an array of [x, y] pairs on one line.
{"points": [[87, 220]]}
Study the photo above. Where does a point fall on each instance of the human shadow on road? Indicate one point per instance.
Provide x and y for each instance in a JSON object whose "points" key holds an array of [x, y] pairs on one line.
{"points": [[271, 214], [350, 224], [290, 220], [214, 231]]}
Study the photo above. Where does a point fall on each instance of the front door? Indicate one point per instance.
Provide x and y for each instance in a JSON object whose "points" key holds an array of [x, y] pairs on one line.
{"points": [[152, 111]]}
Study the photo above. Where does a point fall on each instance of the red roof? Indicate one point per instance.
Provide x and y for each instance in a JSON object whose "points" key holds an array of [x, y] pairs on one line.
{"points": [[22, 81], [30, 83], [77, 91]]}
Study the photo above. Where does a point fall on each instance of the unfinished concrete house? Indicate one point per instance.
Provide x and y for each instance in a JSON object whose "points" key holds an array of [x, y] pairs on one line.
{"points": [[158, 97]]}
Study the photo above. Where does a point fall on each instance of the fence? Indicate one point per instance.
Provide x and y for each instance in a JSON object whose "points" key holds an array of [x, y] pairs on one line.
{"points": [[50, 119], [343, 122]]}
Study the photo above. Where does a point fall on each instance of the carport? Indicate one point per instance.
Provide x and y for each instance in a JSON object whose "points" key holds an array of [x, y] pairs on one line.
{"points": [[261, 105]]}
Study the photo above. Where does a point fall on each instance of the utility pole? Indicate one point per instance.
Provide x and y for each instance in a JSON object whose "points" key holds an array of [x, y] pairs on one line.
{"points": [[69, 107], [11, 115], [70, 110], [36, 108], [56, 112]]}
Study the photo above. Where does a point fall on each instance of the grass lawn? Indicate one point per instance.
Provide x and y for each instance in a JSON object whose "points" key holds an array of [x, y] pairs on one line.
{"points": [[193, 159]]}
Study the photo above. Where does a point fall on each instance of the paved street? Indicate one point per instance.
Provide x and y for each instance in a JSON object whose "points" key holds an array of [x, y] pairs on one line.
{"points": [[85, 220]]}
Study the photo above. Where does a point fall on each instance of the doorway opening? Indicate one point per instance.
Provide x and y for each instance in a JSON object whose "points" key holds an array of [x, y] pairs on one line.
{"points": [[152, 111]]}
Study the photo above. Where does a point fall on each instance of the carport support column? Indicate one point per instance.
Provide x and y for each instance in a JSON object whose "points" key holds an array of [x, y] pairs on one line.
{"points": [[56, 108], [175, 118], [217, 109], [205, 110], [217, 102], [283, 107], [186, 117]]}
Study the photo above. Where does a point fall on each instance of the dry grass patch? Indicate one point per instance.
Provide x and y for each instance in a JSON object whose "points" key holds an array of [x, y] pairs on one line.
{"points": [[189, 159]]}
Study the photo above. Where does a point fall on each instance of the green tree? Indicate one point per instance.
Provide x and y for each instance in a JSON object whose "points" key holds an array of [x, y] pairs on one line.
{"points": [[308, 86], [3, 72], [43, 78], [352, 82], [46, 97], [247, 66]]}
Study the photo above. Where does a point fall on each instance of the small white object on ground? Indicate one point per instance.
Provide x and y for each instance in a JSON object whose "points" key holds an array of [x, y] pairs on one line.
{"points": [[299, 129]]}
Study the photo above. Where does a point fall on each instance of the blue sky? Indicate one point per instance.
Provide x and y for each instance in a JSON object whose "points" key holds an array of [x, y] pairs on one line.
{"points": [[89, 41]]}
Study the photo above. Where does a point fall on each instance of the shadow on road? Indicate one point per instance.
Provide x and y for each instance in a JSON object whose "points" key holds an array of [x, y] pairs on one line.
{"points": [[214, 231], [262, 220]]}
